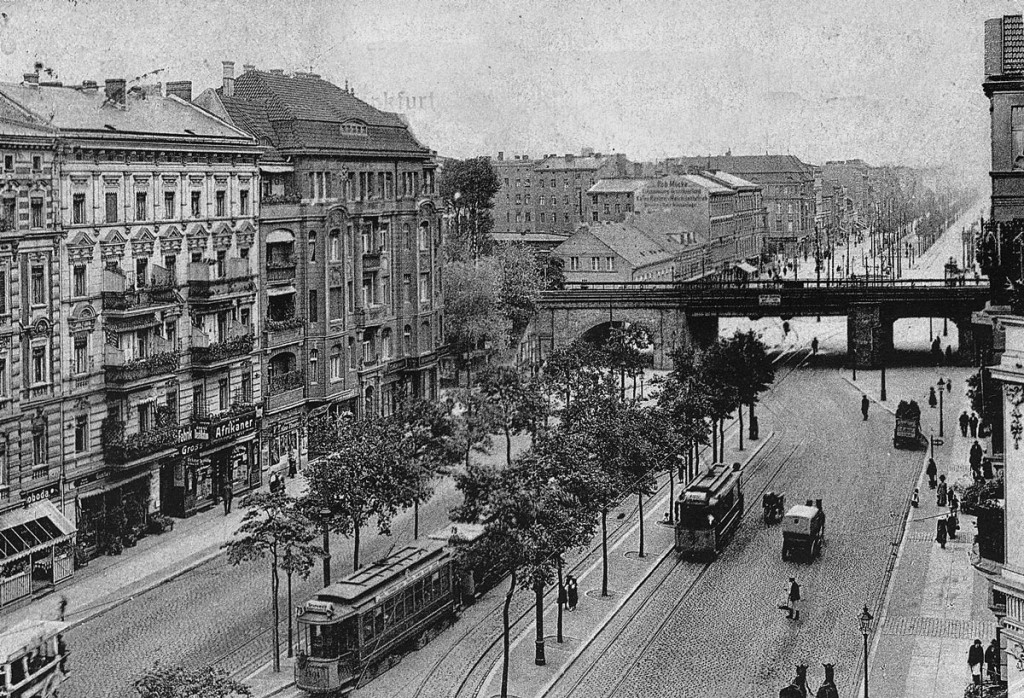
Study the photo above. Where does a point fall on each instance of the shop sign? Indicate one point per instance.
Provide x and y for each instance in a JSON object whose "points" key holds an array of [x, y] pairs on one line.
{"points": [[232, 427], [188, 448], [40, 495], [82, 481], [186, 434]]}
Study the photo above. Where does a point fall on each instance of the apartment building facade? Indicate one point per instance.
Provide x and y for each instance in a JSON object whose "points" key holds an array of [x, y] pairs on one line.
{"points": [[351, 241]]}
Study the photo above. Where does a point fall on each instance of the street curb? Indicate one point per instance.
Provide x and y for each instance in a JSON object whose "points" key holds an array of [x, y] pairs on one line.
{"points": [[883, 405], [546, 688], [204, 557]]}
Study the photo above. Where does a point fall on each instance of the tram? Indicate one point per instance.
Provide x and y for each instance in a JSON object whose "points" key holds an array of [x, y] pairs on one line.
{"points": [[709, 511], [33, 659], [349, 630]]}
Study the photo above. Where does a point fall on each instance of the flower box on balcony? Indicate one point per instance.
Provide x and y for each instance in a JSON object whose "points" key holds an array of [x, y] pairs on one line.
{"points": [[292, 323], [138, 369], [124, 448], [239, 346]]}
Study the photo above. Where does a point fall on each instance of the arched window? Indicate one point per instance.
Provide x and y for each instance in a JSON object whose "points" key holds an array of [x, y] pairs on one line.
{"points": [[336, 369], [425, 340], [314, 359], [335, 246], [312, 246], [407, 340], [369, 400], [352, 358]]}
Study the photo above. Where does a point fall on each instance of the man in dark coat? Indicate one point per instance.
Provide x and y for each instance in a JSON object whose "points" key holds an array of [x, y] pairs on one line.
{"points": [[227, 495], [965, 421], [977, 453], [931, 471], [994, 661], [973, 424], [986, 468], [794, 599], [864, 404], [933, 401], [975, 660], [940, 532]]}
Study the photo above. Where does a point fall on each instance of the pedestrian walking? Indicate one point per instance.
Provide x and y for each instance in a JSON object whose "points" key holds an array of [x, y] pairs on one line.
{"points": [[949, 384], [994, 661], [814, 346], [794, 599], [931, 471], [954, 501], [940, 532], [293, 467], [952, 524], [977, 454], [572, 593], [976, 471], [864, 404], [915, 499], [965, 421], [933, 401], [941, 495], [972, 424], [986, 468], [227, 495], [949, 361], [975, 660], [275, 482]]}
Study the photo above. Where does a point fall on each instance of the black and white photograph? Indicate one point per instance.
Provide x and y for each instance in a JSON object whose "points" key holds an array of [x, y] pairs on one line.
{"points": [[527, 349]]}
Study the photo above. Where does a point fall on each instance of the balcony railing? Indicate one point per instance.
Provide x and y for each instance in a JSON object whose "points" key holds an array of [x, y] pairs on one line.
{"points": [[371, 261], [280, 382], [126, 292], [139, 369], [281, 332], [219, 351], [281, 271], [119, 447], [370, 316], [239, 408], [215, 289]]}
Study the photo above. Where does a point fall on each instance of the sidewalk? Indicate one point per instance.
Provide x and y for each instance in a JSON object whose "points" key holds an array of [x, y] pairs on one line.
{"points": [[109, 581], [935, 605]]}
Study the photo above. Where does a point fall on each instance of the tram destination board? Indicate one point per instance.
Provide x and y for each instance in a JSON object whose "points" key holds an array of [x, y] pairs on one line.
{"points": [[769, 299]]}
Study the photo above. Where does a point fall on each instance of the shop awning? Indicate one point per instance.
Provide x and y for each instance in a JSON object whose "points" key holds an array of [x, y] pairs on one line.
{"points": [[276, 169], [34, 528], [280, 236], [743, 266], [280, 290]]}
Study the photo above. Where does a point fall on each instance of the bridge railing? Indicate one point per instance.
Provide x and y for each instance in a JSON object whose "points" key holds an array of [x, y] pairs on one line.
{"points": [[771, 285]]}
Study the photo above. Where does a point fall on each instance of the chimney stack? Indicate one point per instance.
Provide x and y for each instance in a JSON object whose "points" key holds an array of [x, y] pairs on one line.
{"points": [[115, 90], [248, 68], [90, 87], [501, 156], [181, 89], [229, 78], [277, 71], [32, 79]]}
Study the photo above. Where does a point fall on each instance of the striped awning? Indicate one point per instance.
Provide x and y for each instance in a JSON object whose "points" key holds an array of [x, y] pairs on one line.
{"points": [[34, 528]]}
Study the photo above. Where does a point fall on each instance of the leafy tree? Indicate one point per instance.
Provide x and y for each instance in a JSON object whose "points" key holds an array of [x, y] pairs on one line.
{"points": [[472, 425], [684, 403], [752, 370], [167, 681], [474, 313], [297, 558], [530, 522], [357, 472], [467, 188], [515, 405], [553, 273], [429, 443], [713, 379], [273, 528], [521, 284], [623, 352], [573, 366]]}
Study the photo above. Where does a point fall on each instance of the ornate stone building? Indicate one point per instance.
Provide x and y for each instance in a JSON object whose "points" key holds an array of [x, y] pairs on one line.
{"points": [[351, 238]]}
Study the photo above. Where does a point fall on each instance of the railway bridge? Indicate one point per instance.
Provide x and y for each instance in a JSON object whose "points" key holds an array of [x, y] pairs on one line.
{"points": [[683, 313]]}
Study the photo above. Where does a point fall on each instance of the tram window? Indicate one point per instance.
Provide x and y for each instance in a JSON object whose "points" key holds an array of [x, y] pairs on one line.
{"points": [[410, 607], [418, 599], [316, 641], [368, 633], [378, 620], [17, 671], [389, 612], [435, 585]]}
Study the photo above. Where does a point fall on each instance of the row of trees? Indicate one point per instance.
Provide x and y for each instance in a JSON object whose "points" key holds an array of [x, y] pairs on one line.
{"points": [[556, 495]]}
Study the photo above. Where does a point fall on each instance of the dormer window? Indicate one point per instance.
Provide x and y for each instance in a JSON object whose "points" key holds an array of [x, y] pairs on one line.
{"points": [[353, 128]]}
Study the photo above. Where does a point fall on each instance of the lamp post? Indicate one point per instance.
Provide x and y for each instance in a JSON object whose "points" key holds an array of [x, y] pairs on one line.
{"points": [[942, 385], [325, 515], [865, 629]]}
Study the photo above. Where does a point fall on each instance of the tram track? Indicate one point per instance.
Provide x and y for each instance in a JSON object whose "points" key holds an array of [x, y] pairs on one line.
{"points": [[467, 686]]}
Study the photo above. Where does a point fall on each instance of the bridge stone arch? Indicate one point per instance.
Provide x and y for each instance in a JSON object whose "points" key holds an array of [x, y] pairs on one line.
{"points": [[870, 330], [668, 328]]}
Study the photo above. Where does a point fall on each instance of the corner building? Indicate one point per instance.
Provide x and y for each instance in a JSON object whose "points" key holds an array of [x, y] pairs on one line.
{"points": [[350, 237]]}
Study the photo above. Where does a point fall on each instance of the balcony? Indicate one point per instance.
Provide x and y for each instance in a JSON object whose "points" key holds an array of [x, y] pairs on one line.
{"points": [[217, 353], [128, 295], [121, 448], [283, 332], [207, 284], [371, 261], [285, 389], [122, 372], [370, 316], [281, 271]]}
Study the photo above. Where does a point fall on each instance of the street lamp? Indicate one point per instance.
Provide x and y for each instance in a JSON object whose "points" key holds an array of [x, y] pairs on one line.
{"points": [[942, 385], [325, 515], [865, 629]]}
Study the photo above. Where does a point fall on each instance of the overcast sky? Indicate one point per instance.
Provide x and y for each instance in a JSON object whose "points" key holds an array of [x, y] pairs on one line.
{"points": [[882, 80]]}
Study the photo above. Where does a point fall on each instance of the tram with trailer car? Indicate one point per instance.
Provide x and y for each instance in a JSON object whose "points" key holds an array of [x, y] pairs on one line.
{"points": [[709, 511]]}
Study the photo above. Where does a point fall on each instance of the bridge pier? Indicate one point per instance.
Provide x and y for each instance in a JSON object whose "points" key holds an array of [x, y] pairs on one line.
{"points": [[868, 335], [967, 349]]}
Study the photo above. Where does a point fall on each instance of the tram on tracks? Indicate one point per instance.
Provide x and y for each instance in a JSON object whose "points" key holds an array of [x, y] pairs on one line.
{"points": [[355, 628], [709, 511], [33, 659]]}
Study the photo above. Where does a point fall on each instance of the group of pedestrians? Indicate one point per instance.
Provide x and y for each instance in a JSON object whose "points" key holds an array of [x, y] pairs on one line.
{"points": [[979, 657], [969, 424], [569, 593]]}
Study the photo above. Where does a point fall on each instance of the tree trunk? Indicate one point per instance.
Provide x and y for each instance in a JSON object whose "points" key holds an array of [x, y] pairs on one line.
{"points": [[740, 412], [355, 546], [274, 584], [508, 445], [640, 503], [538, 592], [290, 642], [505, 633], [469, 451], [622, 382], [415, 519], [558, 598], [604, 552], [634, 386], [714, 441], [751, 410]]}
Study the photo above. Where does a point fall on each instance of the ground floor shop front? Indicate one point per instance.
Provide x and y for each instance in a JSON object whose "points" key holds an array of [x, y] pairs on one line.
{"points": [[36, 550]]}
